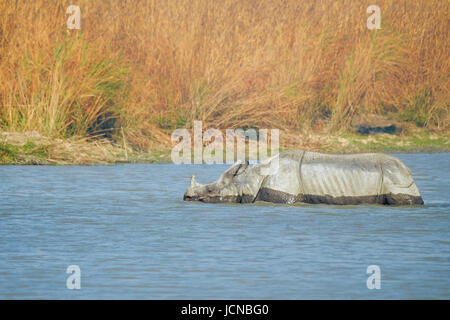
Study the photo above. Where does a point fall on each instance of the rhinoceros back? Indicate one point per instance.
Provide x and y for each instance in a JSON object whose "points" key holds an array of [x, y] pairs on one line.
{"points": [[339, 179], [340, 175], [353, 179]]}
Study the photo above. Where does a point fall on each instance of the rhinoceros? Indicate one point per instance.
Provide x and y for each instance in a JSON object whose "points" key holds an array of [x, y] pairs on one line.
{"points": [[310, 177]]}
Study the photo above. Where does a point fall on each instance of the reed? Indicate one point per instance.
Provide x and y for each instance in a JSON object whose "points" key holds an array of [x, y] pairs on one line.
{"points": [[139, 69]]}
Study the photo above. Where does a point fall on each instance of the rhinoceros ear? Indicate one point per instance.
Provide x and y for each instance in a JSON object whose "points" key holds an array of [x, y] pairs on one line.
{"points": [[242, 167], [236, 169]]}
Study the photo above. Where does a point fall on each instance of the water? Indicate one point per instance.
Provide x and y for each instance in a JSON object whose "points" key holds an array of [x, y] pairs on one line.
{"points": [[133, 237]]}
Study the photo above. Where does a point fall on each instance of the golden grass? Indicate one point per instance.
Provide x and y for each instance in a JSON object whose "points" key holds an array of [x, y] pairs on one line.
{"points": [[139, 69]]}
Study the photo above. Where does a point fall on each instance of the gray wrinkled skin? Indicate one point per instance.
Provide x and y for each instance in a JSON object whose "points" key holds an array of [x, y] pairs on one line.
{"points": [[309, 177]]}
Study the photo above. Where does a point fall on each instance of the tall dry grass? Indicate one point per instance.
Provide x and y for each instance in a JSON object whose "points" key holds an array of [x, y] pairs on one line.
{"points": [[139, 68]]}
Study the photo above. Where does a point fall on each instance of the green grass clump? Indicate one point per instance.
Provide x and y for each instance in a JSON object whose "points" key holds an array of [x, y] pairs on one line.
{"points": [[8, 153], [29, 153]]}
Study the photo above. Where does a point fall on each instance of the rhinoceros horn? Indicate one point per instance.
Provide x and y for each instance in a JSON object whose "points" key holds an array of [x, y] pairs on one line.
{"points": [[193, 182]]}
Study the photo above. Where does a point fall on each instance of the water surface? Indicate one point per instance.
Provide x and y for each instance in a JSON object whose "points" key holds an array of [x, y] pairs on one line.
{"points": [[133, 237]]}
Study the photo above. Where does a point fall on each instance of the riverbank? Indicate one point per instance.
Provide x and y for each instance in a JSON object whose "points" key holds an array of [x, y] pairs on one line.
{"points": [[30, 148], [421, 141]]}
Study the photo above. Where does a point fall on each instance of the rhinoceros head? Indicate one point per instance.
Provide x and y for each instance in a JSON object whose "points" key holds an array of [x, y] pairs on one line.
{"points": [[235, 183]]}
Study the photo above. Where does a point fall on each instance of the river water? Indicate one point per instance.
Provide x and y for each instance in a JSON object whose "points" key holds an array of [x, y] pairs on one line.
{"points": [[133, 237]]}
